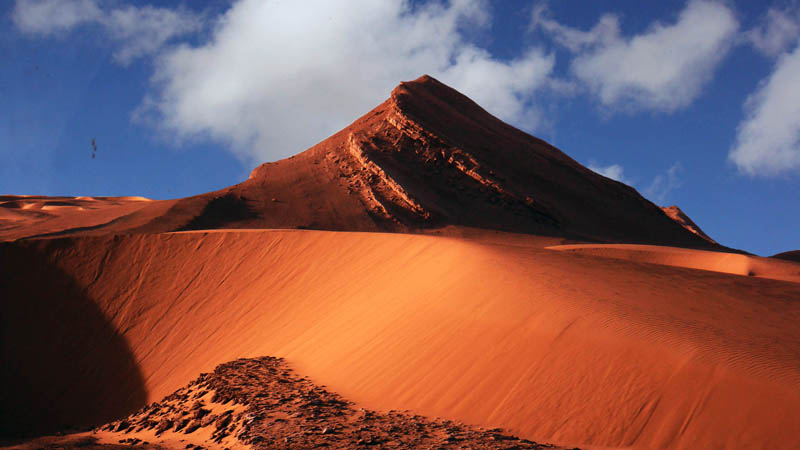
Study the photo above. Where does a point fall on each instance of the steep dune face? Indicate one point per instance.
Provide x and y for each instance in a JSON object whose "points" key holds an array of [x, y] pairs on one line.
{"points": [[427, 157], [558, 347]]}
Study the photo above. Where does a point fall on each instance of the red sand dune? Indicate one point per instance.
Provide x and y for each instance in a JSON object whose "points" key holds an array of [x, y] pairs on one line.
{"points": [[39, 216], [427, 157], [793, 255], [557, 347], [752, 266], [621, 346]]}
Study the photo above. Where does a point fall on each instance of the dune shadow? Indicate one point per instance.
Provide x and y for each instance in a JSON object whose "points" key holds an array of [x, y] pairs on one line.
{"points": [[64, 366]]}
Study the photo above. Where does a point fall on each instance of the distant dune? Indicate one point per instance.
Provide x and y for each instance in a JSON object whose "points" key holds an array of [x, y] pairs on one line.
{"points": [[789, 256], [458, 280], [751, 266], [28, 216]]}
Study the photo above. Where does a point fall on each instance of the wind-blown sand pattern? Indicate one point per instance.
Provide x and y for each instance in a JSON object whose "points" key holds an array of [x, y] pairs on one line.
{"points": [[553, 346], [492, 305]]}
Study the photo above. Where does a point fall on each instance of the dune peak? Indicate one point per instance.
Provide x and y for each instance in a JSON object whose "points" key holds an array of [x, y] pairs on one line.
{"points": [[426, 158]]}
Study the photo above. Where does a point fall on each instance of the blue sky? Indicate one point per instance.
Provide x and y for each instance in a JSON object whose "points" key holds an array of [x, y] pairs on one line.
{"points": [[693, 103]]}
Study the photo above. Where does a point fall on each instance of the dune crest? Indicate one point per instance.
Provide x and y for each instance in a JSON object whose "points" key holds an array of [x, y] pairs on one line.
{"points": [[789, 256], [426, 158], [733, 263]]}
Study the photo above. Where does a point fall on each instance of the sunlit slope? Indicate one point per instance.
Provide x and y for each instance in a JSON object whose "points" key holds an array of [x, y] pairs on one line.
{"points": [[734, 263], [559, 347]]}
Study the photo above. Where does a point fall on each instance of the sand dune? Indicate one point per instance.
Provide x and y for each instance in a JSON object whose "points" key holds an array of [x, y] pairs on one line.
{"points": [[555, 346], [793, 255], [113, 302], [426, 158], [734, 263], [40, 216]]}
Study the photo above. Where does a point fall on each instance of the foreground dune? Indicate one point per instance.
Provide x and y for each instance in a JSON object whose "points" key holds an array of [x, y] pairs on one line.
{"points": [[554, 346]]}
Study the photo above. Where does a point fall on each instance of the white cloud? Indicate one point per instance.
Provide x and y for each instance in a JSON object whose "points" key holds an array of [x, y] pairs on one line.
{"points": [[277, 77], [776, 32], [606, 32], [614, 171], [137, 31], [53, 16], [146, 29], [768, 140], [658, 191], [662, 69]]}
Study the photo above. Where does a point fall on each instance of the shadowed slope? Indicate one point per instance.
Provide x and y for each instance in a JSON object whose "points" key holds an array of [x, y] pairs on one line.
{"points": [[63, 365], [789, 256], [681, 218], [557, 347]]}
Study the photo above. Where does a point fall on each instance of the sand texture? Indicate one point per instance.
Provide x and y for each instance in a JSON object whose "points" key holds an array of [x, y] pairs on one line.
{"points": [[553, 346]]}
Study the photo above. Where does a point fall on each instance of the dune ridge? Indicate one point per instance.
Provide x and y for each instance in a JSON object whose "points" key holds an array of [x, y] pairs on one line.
{"points": [[733, 263], [676, 214], [426, 158], [793, 255], [556, 347]]}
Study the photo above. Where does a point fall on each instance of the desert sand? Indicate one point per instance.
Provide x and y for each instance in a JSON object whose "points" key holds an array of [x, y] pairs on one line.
{"points": [[739, 264], [30, 216], [451, 307], [554, 346]]}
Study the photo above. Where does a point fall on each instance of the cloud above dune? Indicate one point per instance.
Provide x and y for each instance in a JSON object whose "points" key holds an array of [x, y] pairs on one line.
{"points": [[664, 184], [136, 31], [777, 31], [49, 17], [768, 139], [662, 69], [267, 64]]}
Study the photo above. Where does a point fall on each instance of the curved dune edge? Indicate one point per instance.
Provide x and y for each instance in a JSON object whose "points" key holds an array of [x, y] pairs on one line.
{"points": [[732, 263], [552, 346]]}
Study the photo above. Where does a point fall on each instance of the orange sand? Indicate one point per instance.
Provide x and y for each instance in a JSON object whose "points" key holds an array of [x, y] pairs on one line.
{"points": [[558, 347], [734, 263]]}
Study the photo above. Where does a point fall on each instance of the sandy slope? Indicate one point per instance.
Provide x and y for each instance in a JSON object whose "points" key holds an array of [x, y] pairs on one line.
{"points": [[558, 347], [426, 158], [33, 215], [734, 263]]}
